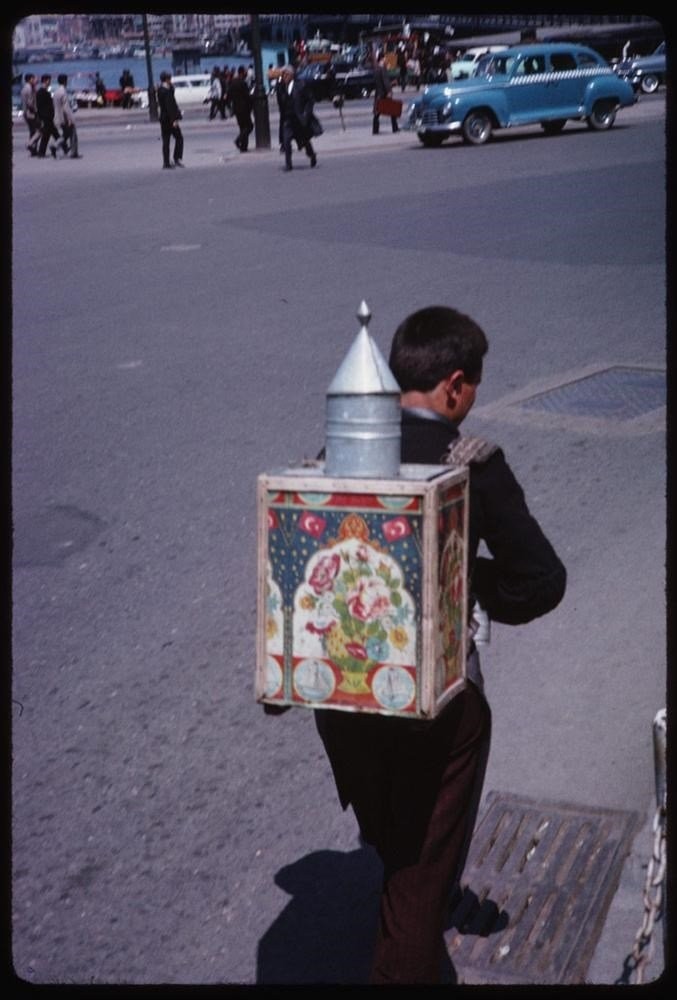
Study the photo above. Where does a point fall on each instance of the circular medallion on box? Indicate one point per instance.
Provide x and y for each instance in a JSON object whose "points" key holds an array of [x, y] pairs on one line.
{"points": [[393, 687], [314, 680]]}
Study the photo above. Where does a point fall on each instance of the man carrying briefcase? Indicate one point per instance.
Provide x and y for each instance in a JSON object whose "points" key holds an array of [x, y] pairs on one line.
{"points": [[383, 103]]}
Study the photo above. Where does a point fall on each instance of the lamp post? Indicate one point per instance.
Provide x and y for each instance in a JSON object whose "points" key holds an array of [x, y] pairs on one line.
{"points": [[261, 119], [152, 98]]}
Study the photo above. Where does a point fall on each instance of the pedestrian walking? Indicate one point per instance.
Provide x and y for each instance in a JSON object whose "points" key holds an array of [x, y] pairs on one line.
{"points": [[383, 89], [45, 106], [64, 119], [29, 109], [414, 784], [242, 104], [170, 118], [298, 122], [127, 88], [215, 95], [100, 88]]}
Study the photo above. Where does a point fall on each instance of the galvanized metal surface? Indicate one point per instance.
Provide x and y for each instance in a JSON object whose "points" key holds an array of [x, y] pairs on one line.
{"points": [[363, 421], [536, 889], [617, 392]]}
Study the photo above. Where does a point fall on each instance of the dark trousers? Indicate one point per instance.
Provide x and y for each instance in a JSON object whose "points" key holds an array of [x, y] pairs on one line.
{"points": [[246, 127], [415, 799], [49, 131], [375, 124], [167, 132], [287, 134], [33, 134]]}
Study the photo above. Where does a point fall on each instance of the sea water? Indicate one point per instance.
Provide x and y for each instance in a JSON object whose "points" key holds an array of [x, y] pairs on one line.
{"points": [[110, 70]]}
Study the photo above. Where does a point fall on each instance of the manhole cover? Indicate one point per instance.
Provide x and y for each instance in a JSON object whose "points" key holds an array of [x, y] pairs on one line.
{"points": [[535, 891], [618, 392]]}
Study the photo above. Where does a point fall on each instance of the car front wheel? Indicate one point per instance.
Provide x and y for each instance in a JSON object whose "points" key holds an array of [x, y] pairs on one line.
{"points": [[477, 127], [602, 116], [649, 84]]}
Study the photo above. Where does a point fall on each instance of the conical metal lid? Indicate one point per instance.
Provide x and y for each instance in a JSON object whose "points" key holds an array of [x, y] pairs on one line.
{"points": [[364, 370]]}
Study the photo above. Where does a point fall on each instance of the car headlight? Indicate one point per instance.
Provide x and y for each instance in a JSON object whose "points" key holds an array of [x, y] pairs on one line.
{"points": [[447, 111]]}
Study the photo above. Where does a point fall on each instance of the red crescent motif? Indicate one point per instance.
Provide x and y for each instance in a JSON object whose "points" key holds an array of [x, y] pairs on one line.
{"points": [[398, 527]]}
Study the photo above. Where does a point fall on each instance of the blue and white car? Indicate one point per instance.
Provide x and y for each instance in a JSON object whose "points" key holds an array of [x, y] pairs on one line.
{"points": [[544, 84]]}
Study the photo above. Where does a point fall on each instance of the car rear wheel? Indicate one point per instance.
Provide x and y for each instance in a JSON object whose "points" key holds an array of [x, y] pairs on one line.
{"points": [[602, 116], [649, 84], [477, 127], [430, 141], [553, 127]]}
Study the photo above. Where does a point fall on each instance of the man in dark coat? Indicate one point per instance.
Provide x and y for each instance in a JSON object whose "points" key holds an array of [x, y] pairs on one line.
{"points": [[44, 103], [170, 117], [415, 785], [297, 119], [240, 100]]}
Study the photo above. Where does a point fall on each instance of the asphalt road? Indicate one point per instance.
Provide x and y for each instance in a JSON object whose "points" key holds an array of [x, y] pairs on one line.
{"points": [[173, 336]]}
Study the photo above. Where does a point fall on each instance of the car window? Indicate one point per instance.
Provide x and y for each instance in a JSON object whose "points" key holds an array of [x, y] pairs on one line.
{"points": [[586, 59], [530, 65], [502, 65], [561, 61]]}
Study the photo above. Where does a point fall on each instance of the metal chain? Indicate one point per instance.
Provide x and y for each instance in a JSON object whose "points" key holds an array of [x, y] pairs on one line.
{"points": [[644, 947]]}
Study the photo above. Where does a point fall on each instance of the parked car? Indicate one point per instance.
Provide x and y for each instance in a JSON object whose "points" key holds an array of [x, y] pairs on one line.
{"points": [[528, 84], [645, 73], [338, 76], [466, 64], [189, 90]]}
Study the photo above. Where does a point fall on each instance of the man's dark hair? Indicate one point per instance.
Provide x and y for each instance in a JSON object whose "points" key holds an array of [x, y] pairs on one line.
{"points": [[434, 342], [62, 78]]}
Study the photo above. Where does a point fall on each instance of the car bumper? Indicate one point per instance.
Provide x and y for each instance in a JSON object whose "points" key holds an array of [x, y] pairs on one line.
{"points": [[427, 124]]}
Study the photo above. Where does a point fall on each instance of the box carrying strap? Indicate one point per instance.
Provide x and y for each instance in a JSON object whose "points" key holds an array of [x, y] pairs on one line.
{"points": [[466, 450]]}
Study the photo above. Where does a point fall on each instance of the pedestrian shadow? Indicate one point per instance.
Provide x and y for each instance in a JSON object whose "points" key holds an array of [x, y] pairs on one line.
{"points": [[326, 932]]}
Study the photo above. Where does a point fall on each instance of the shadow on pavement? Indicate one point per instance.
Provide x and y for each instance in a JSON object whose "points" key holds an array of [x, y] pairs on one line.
{"points": [[326, 932]]}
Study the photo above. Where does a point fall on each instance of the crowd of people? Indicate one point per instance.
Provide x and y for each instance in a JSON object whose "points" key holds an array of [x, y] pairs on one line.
{"points": [[49, 117], [221, 88]]}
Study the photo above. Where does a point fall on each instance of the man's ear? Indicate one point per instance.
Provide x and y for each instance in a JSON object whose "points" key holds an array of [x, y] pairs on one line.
{"points": [[453, 384]]}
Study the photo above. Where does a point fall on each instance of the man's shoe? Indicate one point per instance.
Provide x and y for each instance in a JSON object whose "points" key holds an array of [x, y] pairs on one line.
{"points": [[313, 160], [237, 143], [178, 163], [52, 150], [167, 166], [287, 167]]}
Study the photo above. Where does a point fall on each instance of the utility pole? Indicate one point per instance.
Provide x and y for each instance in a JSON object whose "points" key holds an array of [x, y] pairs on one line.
{"points": [[152, 98], [261, 117]]}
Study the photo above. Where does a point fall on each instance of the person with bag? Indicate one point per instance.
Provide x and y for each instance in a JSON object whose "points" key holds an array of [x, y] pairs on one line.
{"points": [[297, 118], [170, 116], [415, 784], [383, 90]]}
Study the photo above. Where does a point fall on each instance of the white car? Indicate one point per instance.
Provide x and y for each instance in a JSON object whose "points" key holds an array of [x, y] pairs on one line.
{"points": [[189, 90], [466, 64]]}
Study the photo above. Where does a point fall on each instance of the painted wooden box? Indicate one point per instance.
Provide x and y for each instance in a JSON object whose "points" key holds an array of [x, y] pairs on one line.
{"points": [[362, 596]]}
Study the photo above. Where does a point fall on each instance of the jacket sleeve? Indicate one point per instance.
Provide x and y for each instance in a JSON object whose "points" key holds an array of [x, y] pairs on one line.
{"points": [[525, 578]]}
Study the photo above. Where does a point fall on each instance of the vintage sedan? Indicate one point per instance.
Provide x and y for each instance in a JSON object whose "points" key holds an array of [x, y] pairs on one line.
{"points": [[645, 73], [543, 84]]}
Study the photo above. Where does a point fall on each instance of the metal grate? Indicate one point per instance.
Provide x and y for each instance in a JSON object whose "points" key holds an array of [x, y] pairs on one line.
{"points": [[535, 892], [618, 392]]}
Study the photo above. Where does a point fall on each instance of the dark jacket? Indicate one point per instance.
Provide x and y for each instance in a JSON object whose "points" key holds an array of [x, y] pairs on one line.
{"points": [[239, 98], [524, 577], [296, 111], [382, 84], [44, 104], [168, 109]]}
